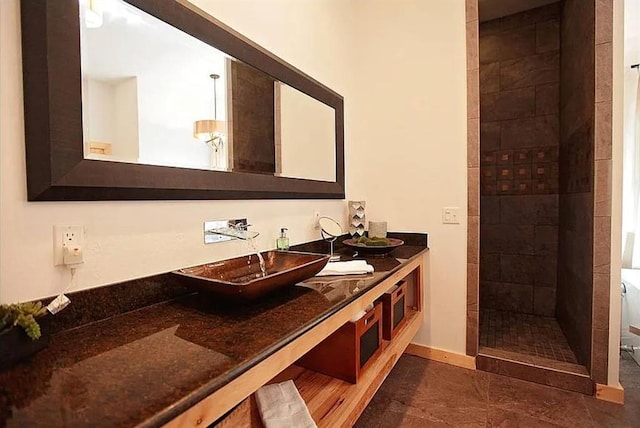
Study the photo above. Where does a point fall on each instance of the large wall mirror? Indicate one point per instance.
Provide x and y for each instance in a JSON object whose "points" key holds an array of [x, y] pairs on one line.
{"points": [[141, 99]]}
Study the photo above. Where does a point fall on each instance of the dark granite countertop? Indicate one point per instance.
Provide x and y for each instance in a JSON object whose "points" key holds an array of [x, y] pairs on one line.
{"points": [[146, 366]]}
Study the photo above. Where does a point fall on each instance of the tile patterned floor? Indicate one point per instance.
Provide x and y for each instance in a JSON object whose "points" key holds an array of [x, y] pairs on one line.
{"points": [[526, 334], [422, 393]]}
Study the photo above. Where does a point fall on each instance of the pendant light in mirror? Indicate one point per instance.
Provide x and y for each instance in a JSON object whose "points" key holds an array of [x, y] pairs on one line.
{"points": [[207, 130]]}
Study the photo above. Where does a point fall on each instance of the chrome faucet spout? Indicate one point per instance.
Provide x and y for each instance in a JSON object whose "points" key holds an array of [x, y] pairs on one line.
{"points": [[230, 229]]}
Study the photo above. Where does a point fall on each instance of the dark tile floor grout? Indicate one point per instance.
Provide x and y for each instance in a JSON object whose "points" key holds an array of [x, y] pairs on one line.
{"points": [[423, 393]]}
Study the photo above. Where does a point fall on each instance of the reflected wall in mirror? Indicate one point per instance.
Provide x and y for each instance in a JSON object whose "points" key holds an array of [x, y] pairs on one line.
{"points": [[305, 136], [147, 87]]}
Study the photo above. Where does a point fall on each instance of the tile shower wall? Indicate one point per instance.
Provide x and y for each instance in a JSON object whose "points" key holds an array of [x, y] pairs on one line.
{"points": [[577, 101], [519, 174]]}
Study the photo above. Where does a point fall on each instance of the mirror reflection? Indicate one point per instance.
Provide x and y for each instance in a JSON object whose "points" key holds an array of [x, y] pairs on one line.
{"points": [[154, 95]]}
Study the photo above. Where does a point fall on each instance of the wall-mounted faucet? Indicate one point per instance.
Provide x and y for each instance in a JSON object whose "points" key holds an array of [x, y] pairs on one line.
{"points": [[226, 230]]}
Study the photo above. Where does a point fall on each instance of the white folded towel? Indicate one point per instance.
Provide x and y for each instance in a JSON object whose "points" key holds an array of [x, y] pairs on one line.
{"points": [[353, 267], [281, 406]]}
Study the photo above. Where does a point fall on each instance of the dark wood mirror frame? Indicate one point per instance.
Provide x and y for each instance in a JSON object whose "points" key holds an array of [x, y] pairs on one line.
{"points": [[56, 167]]}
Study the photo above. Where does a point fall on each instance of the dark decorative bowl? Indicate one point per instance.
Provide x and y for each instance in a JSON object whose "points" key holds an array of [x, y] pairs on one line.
{"points": [[376, 250], [241, 277]]}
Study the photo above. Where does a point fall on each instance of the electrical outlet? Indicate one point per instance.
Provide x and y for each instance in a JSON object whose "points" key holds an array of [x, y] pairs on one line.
{"points": [[68, 243], [451, 215]]}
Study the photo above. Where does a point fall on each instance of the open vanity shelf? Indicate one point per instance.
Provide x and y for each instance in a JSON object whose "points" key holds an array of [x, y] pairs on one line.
{"points": [[332, 402]]}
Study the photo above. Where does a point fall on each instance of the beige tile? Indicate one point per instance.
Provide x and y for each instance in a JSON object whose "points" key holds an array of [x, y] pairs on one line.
{"points": [[472, 10], [473, 191], [473, 279], [473, 143], [604, 21], [602, 188], [603, 130], [472, 45], [604, 72], [473, 320], [473, 239], [606, 268], [600, 355], [601, 291], [473, 94], [601, 242]]}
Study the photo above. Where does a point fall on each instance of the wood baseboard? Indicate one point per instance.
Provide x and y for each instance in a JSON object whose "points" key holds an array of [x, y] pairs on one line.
{"points": [[613, 394], [441, 355]]}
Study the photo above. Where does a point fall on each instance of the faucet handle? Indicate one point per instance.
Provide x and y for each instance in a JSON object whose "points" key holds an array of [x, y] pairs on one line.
{"points": [[243, 225]]}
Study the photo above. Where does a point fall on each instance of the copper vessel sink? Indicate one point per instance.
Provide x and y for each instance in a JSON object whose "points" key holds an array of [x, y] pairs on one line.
{"points": [[242, 277]]}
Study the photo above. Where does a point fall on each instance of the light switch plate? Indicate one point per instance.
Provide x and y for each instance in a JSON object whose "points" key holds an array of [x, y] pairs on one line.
{"points": [[451, 215]]}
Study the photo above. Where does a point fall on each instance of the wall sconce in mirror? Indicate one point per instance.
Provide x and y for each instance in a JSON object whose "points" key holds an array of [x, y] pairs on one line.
{"points": [[207, 130]]}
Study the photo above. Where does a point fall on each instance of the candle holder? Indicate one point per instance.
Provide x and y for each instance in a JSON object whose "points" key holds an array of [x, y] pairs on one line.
{"points": [[357, 218]]}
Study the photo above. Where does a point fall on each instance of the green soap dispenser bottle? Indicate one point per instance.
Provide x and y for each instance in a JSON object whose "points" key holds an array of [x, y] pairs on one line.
{"points": [[282, 243]]}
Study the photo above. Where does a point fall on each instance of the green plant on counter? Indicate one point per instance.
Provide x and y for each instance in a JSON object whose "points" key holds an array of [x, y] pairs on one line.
{"points": [[23, 315]]}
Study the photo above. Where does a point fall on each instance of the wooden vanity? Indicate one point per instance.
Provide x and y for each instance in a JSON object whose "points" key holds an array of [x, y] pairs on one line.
{"points": [[150, 352], [332, 402]]}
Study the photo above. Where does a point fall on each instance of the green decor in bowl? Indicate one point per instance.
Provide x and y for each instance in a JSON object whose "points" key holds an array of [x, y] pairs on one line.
{"points": [[373, 246]]}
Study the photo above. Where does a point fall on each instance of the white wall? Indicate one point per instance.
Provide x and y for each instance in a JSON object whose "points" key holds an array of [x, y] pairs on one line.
{"points": [[128, 240], [407, 141], [400, 66], [630, 303], [616, 193]]}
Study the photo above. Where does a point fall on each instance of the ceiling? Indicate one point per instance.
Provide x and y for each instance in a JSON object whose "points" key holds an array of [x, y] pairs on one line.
{"points": [[491, 9]]}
